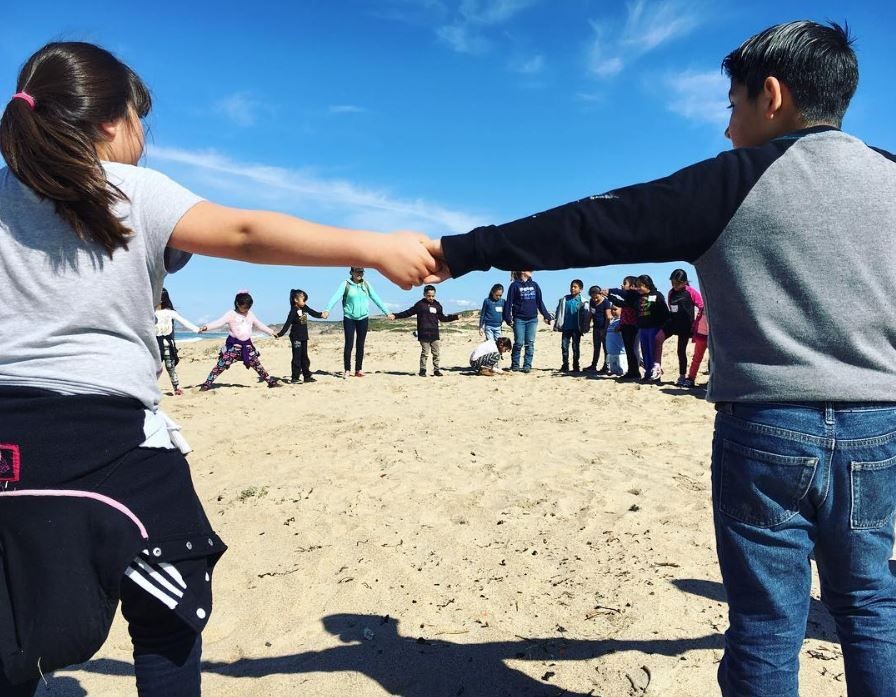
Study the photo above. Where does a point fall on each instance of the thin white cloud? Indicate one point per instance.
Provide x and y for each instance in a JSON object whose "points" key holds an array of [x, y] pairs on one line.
{"points": [[301, 191], [648, 25], [240, 108], [491, 12], [462, 303], [529, 66], [467, 33], [346, 109], [461, 39], [699, 97]]}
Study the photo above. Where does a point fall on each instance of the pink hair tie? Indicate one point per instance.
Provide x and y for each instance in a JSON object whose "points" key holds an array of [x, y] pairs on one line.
{"points": [[24, 96]]}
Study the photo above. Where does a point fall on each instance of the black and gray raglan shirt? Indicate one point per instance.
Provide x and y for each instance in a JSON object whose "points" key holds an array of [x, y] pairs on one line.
{"points": [[794, 243]]}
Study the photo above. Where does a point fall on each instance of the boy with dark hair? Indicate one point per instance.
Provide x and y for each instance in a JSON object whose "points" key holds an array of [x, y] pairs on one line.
{"points": [[571, 319], [429, 314], [804, 451]]}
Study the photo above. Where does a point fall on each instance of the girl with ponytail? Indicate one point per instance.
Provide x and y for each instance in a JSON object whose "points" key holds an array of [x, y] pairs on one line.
{"points": [[93, 479]]}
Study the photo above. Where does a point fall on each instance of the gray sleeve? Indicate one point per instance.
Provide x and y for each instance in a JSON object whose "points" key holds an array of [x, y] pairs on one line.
{"points": [[158, 205]]}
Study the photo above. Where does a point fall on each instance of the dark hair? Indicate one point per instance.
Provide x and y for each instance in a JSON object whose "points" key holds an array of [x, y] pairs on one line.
{"points": [[297, 291], [594, 289], [577, 282], [426, 289], [495, 289], [816, 62], [165, 300], [503, 341], [516, 275], [645, 280], [242, 299], [679, 275], [631, 280], [51, 148]]}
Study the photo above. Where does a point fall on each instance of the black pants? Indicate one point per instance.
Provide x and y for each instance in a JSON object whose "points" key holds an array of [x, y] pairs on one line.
{"points": [[629, 335], [683, 339], [166, 651], [301, 364], [351, 327], [600, 342]]}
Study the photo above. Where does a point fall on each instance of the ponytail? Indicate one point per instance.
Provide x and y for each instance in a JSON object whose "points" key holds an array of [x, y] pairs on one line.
{"points": [[51, 146]]}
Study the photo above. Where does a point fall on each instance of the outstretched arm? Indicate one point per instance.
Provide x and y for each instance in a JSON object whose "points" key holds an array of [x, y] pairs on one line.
{"points": [[265, 237]]}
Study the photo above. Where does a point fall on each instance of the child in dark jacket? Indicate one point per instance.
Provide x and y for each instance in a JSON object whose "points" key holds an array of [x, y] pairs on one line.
{"points": [[653, 313], [297, 325], [628, 300], [429, 314]]}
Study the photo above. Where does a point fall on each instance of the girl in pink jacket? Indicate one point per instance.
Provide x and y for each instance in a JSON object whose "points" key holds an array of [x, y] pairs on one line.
{"points": [[240, 322]]}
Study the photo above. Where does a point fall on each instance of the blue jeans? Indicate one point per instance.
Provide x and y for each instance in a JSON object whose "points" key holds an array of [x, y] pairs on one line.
{"points": [[491, 333], [646, 338], [523, 333], [574, 336], [789, 480]]}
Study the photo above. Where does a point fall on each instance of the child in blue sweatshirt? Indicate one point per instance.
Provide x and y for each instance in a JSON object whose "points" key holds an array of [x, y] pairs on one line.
{"points": [[492, 313]]}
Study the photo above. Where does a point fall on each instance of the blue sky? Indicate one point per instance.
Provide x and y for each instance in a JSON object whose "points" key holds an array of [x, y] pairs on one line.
{"points": [[433, 115]]}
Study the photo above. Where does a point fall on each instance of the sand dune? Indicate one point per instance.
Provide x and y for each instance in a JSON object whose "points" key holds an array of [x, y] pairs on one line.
{"points": [[393, 535]]}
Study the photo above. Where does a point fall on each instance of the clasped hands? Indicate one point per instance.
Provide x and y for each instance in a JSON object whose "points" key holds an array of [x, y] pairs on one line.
{"points": [[409, 259]]}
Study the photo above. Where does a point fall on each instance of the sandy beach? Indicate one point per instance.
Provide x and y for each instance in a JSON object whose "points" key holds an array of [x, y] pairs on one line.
{"points": [[535, 534]]}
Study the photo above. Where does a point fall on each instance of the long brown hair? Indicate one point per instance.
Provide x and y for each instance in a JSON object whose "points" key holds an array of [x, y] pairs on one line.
{"points": [[51, 148]]}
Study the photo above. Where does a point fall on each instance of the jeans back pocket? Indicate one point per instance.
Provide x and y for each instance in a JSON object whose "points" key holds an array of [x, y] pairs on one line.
{"points": [[761, 488], [873, 491]]}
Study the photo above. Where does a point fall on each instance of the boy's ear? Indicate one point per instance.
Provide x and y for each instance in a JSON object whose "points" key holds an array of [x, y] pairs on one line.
{"points": [[776, 97]]}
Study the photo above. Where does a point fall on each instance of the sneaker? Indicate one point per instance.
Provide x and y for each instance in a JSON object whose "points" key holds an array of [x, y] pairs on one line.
{"points": [[575, 368], [273, 383], [687, 383], [437, 373], [359, 374], [526, 370], [178, 392], [422, 373], [563, 368], [347, 374], [488, 372], [294, 381], [591, 369], [656, 373], [205, 387], [310, 379], [681, 380], [604, 371]]}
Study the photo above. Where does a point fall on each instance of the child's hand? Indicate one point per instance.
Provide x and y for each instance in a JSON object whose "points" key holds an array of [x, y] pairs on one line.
{"points": [[390, 316], [442, 272], [325, 314], [203, 328], [481, 333], [403, 258]]}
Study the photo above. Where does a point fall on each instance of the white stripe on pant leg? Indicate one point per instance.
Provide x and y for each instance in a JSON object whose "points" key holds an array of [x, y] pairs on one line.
{"points": [[173, 573], [156, 576], [135, 576]]}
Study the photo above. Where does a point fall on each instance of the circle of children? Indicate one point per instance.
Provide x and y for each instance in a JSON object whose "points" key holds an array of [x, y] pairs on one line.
{"points": [[94, 482], [629, 326]]}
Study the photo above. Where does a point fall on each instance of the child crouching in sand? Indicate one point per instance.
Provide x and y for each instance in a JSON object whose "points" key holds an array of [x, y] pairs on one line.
{"points": [[240, 321], [486, 356]]}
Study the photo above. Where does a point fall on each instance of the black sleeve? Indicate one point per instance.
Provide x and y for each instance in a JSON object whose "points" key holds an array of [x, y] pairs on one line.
{"points": [[290, 318], [670, 219], [410, 312], [313, 313]]}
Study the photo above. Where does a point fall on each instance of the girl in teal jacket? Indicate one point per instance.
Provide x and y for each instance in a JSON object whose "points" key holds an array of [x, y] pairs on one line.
{"points": [[356, 294]]}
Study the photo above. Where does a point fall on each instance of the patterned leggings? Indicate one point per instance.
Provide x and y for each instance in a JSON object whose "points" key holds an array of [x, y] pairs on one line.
{"points": [[228, 357]]}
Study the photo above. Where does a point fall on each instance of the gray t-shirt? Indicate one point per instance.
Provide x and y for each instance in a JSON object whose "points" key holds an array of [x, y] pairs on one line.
{"points": [[75, 321]]}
